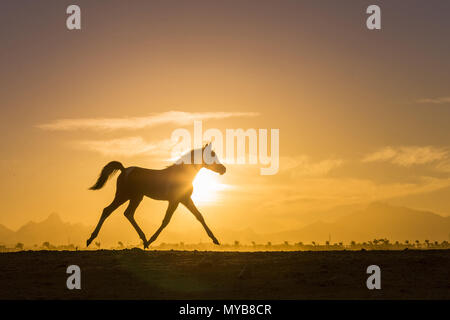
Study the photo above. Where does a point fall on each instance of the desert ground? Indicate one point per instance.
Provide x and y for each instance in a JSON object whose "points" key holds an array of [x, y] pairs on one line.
{"points": [[138, 274]]}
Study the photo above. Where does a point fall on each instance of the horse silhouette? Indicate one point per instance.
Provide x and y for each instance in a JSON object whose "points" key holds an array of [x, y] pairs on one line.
{"points": [[172, 184]]}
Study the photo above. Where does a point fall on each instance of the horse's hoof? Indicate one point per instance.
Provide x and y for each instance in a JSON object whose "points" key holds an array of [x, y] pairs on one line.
{"points": [[88, 242], [215, 241]]}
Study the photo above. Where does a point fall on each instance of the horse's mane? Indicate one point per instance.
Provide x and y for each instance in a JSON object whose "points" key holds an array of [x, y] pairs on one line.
{"points": [[180, 159]]}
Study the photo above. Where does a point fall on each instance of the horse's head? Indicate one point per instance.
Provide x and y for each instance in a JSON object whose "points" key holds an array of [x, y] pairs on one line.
{"points": [[210, 160], [203, 157]]}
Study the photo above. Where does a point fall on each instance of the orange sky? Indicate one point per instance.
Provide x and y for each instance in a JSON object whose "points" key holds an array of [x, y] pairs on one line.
{"points": [[363, 116]]}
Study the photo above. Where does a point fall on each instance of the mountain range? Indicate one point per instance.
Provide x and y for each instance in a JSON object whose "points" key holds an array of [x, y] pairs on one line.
{"points": [[378, 220]]}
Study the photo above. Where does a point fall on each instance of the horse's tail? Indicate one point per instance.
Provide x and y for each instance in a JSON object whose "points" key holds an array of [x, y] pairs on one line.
{"points": [[106, 173]]}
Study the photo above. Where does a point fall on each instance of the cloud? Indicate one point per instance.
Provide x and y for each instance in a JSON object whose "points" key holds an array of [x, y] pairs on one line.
{"points": [[302, 166], [174, 117], [444, 166], [126, 147], [439, 100], [407, 156]]}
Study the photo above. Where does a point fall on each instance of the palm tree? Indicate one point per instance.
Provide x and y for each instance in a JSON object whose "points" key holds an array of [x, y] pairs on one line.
{"points": [[46, 245], [19, 246]]}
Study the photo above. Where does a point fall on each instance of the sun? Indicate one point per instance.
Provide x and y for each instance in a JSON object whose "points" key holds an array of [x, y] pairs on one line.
{"points": [[206, 186]]}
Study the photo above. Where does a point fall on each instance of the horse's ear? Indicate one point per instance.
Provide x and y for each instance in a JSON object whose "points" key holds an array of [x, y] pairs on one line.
{"points": [[208, 144]]}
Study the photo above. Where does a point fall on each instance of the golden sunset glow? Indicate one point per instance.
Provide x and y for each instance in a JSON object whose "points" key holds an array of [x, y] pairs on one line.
{"points": [[358, 123], [207, 187]]}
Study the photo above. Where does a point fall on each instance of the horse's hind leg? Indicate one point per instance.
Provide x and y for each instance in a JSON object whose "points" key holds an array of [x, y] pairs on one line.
{"points": [[129, 214], [117, 202]]}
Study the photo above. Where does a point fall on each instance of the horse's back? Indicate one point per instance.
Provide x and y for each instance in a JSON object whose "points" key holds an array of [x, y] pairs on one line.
{"points": [[142, 181]]}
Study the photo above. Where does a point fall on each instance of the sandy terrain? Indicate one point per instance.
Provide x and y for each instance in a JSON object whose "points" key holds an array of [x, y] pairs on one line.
{"points": [[138, 274]]}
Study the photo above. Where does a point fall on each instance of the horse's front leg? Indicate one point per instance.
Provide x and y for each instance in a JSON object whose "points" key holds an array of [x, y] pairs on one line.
{"points": [[169, 212], [191, 206]]}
